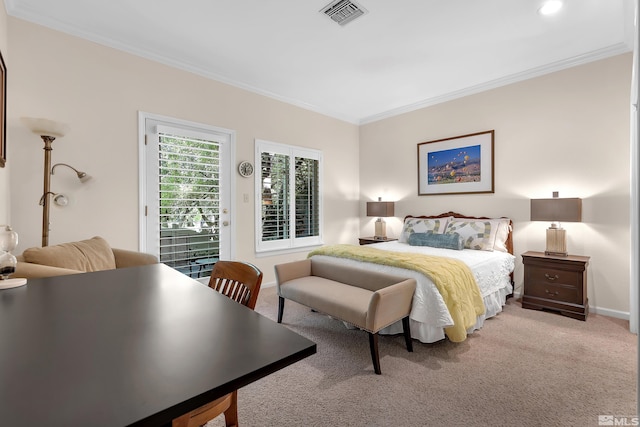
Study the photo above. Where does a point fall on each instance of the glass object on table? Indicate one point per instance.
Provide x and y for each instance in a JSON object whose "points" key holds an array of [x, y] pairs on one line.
{"points": [[8, 243]]}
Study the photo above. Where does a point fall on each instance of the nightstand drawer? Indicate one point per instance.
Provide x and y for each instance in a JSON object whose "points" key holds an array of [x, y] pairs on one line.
{"points": [[552, 291], [552, 277]]}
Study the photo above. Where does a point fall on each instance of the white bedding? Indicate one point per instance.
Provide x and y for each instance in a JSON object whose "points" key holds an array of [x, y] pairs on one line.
{"points": [[429, 314]]}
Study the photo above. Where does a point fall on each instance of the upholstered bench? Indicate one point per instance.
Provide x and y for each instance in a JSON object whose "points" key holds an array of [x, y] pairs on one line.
{"points": [[368, 300]]}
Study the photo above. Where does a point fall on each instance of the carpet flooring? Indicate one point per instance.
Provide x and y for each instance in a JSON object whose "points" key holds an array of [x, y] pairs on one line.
{"points": [[523, 368]]}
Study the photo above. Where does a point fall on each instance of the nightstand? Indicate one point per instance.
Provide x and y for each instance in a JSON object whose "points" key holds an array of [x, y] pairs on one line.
{"points": [[370, 240], [556, 283]]}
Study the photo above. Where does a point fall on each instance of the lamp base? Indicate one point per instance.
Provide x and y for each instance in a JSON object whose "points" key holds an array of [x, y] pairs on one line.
{"points": [[556, 242], [381, 230]]}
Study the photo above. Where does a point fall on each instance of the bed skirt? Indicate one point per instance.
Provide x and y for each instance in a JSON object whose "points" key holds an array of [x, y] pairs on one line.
{"points": [[429, 334]]}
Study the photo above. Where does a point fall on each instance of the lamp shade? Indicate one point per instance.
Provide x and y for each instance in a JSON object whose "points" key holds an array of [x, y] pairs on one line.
{"points": [[380, 209], [45, 127], [556, 210]]}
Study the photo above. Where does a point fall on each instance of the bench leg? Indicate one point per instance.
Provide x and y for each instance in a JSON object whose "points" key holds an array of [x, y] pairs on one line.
{"points": [[375, 357], [280, 308], [407, 333]]}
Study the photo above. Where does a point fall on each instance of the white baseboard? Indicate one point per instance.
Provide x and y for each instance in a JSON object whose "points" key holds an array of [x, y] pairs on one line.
{"points": [[625, 315], [611, 313], [268, 285]]}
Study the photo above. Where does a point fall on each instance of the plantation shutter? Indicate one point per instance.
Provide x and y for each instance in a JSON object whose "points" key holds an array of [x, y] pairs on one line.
{"points": [[307, 197], [275, 196], [189, 195], [289, 203]]}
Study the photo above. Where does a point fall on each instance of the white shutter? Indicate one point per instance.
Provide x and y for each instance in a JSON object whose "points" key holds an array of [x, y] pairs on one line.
{"points": [[275, 196], [288, 197], [307, 196]]}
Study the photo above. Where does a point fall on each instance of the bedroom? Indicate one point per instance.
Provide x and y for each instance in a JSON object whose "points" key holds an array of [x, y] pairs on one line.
{"points": [[550, 136]]}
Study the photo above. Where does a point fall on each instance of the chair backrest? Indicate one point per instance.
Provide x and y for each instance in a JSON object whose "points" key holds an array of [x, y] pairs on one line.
{"points": [[238, 280]]}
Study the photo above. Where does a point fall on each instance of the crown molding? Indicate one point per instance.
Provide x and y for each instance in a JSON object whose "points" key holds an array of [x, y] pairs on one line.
{"points": [[595, 55], [34, 17]]}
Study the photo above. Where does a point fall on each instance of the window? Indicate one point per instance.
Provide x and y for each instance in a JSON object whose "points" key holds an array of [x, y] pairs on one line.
{"points": [[288, 196], [185, 188]]}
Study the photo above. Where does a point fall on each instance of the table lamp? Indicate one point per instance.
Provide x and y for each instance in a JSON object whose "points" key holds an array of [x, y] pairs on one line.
{"points": [[380, 209], [556, 210]]}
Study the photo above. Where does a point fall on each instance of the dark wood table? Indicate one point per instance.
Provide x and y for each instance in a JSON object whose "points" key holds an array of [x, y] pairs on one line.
{"points": [[129, 347]]}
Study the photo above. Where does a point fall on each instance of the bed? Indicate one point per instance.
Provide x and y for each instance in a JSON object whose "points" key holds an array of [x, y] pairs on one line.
{"points": [[484, 245]]}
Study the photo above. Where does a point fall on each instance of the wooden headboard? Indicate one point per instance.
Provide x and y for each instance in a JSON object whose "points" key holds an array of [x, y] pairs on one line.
{"points": [[508, 243]]}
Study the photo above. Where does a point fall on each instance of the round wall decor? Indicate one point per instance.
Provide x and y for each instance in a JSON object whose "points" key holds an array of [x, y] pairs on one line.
{"points": [[245, 169]]}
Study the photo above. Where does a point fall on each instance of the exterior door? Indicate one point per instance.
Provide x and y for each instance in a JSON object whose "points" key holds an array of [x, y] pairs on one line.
{"points": [[186, 194]]}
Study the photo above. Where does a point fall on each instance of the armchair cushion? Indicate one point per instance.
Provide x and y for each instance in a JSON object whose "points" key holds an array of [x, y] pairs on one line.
{"points": [[93, 254], [77, 257]]}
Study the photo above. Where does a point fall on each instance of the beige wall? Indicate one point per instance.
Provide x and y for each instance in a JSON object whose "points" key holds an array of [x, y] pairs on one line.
{"points": [[98, 91], [4, 172], [567, 132]]}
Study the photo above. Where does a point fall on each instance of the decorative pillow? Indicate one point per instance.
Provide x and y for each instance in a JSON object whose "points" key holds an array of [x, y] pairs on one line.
{"points": [[445, 241], [422, 225], [502, 234], [86, 255], [477, 234]]}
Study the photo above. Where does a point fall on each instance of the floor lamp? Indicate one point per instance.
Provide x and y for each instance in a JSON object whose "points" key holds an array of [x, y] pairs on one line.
{"points": [[49, 131]]}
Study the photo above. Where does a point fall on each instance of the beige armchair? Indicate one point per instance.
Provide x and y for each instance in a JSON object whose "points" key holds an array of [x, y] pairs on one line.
{"points": [[77, 257]]}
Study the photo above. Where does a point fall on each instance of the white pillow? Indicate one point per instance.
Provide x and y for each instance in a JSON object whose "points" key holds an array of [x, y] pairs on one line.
{"points": [[422, 225], [502, 234], [479, 234]]}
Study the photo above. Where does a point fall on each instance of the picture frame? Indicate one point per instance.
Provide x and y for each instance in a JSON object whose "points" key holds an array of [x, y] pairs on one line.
{"points": [[457, 165], [3, 112]]}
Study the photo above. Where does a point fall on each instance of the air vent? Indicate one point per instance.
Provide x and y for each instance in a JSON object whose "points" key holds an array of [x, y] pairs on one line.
{"points": [[343, 11]]}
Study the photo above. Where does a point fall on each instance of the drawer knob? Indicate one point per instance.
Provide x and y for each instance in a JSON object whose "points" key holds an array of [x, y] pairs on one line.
{"points": [[554, 277], [552, 293]]}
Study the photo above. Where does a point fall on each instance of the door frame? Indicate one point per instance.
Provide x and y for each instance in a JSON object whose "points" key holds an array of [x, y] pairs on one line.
{"points": [[227, 168]]}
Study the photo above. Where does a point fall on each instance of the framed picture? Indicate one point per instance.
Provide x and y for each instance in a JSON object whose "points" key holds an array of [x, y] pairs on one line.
{"points": [[3, 112], [458, 165]]}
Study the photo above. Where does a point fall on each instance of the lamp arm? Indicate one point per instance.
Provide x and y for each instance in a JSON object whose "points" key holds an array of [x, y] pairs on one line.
{"points": [[64, 164], [82, 176], [41, 202]]}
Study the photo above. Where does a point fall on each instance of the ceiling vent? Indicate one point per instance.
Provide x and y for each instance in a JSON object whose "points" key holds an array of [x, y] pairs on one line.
{"points": [[343, 11]]}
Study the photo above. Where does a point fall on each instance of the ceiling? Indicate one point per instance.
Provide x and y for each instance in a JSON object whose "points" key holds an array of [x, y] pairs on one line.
{"points": [[399, 56]]}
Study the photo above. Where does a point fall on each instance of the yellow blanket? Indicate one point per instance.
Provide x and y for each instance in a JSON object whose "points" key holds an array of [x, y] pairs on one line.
{"points": [[452, 277]]}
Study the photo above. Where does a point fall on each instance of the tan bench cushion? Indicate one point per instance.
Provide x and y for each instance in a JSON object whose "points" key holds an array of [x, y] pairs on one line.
{"points": [[348, 303]]}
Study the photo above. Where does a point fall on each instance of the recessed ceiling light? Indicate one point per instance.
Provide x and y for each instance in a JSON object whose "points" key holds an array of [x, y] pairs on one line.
{"points": [[550, 7]]}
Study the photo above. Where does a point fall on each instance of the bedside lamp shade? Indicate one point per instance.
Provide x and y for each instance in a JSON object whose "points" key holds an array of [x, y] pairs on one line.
{"points": [[380, 209], [556, 210]]}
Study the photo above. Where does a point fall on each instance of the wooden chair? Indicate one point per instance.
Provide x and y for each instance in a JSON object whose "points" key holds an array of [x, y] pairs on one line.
{"points": [[241, 282]]}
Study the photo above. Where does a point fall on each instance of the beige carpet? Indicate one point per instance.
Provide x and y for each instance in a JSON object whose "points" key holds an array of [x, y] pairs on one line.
{"points": [[524, 368]]}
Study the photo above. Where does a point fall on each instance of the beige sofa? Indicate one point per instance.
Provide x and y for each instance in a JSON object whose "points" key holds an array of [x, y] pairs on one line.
{"points": [[366, 299], [77, 257]]}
